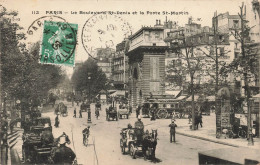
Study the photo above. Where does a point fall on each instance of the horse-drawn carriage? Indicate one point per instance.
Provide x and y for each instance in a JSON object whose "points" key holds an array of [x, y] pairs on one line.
{"points": [[164, 108], [111, 113], [61, 109], [135, 146]]}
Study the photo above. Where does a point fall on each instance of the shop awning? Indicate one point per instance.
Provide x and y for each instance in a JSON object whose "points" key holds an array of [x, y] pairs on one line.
{"points": [[118, 93], [195, 98], [181, 97], [174, 93]]}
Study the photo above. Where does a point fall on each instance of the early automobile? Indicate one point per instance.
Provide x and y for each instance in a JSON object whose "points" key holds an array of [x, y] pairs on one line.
{"points": [[129, 143], [85, 107], [123, 112], [61, 109], [33, 150], [111, 113]]}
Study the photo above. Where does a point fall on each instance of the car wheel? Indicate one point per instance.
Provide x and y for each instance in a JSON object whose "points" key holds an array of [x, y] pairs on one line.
{"points": [[122, 146], [132, 151]]}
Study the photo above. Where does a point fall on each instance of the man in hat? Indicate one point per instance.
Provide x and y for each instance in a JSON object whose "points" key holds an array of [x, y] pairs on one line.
{"points": [[86, 133], [172, 131], [80, 113], [139, 125], [138, 111], [57, 121], [75, 113], [63, 154]]}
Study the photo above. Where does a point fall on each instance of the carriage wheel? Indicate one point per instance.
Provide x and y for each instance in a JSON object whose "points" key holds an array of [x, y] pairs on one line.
{"points": [[122, 146], [162, 113], [132, 151]]}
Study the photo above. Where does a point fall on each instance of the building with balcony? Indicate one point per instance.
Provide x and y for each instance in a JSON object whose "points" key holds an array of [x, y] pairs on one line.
{"points": [[105, 65], [202, 46], [104, 60], [120, 67]]}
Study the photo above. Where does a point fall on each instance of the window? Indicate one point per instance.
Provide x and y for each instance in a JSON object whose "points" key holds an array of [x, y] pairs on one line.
{"points": [[221, 51], [154, 86], [157, 35], [173, 63], [154, 68], [211, 50], [221, 38], [236, 54], [235, 24]]}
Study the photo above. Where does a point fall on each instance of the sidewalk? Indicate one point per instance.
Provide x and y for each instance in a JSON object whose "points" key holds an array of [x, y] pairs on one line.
{"points": [[15, 145], [208, 132]]}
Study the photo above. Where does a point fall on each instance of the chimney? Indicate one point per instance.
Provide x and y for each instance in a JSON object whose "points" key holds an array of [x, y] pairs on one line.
{"points": [[157, 22]]}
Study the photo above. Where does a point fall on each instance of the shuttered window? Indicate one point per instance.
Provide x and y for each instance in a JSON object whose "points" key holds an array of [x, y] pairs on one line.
{"points": [[154, 68], [154, 87]]}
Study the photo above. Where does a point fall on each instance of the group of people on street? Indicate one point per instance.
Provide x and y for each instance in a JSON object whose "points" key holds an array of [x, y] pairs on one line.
{"points": [[75, 113]]}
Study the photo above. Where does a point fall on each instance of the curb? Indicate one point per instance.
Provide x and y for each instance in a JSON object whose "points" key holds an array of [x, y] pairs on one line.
{"points": [[206, 139]]}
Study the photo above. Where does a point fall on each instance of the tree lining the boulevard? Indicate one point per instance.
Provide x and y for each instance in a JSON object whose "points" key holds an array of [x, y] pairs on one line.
{"points": [[22, 76], [191, 64], [246, 65], [89, 87]]}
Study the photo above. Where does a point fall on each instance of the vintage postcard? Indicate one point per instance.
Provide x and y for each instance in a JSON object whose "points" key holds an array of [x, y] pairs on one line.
{"points": [[130, 82]]}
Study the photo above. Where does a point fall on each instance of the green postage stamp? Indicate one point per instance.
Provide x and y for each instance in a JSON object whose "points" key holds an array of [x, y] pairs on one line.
{"points": [[58, 43]]}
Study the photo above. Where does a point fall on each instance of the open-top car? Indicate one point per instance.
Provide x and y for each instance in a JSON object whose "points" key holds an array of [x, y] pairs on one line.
{"points": [[111, 113], [123, 112], [146, 146], [61, 109]]}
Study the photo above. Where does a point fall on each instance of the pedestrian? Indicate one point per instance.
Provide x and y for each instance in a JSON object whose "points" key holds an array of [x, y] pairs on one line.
{"points": [[197, 120], [57, 121], [153, 110], [75, 112], [172, 131], [200, 119], [80, 113], [190, 117], [138, 111]]}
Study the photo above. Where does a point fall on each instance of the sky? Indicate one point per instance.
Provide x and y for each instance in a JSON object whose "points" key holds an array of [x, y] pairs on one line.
{"points": [[202, 12]]}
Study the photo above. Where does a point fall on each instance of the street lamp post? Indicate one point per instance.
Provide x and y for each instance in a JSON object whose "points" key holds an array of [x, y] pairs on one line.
{"points": [[89, 110], [250, 137]]}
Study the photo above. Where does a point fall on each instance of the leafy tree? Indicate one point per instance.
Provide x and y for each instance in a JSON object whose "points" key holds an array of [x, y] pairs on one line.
{"points": [[191, 62], [22, 76], [246, 65], [89, 79]]}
